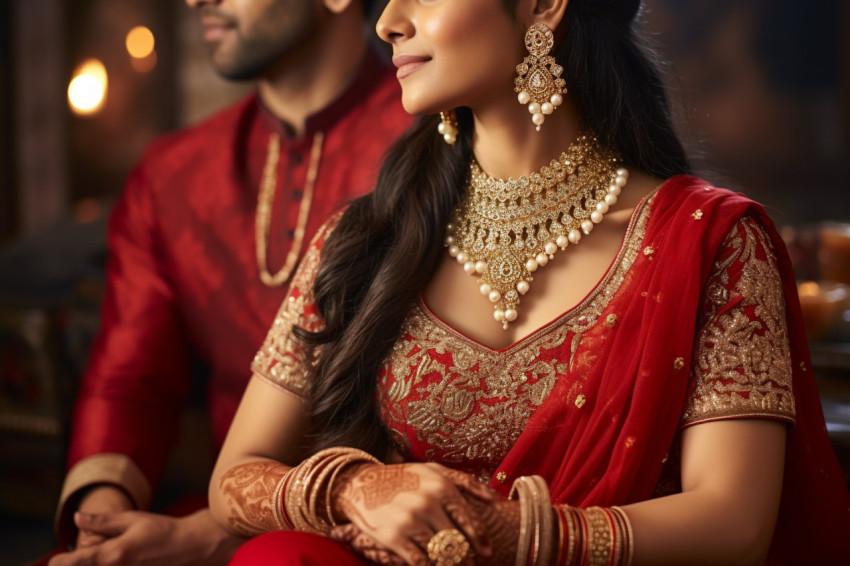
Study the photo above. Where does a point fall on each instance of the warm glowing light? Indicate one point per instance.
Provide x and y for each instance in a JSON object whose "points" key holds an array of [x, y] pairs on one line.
{"points": [[146, 64], [140, 42], [87, 89]]}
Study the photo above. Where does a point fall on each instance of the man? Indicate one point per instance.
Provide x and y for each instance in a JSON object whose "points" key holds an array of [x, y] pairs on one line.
{"points": [[203, 242]]}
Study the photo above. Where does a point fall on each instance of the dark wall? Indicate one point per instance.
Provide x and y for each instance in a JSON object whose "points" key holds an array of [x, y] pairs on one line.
{"points": [[8, 203]]}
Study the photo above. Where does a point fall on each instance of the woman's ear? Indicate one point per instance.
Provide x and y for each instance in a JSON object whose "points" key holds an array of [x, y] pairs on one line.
{"points": [[549, 12], [337, 6]]}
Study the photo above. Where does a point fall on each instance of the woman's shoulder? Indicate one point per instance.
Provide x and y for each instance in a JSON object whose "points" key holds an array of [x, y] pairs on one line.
{"points": [[685, 198], [326, 229], [690, 188]]}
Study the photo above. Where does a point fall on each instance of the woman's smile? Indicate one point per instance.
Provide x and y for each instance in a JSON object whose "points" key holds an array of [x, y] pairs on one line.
{"points": [[408, 64]]}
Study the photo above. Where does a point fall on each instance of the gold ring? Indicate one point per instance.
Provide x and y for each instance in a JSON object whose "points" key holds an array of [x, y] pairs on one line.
{"points": [[448, 547]]}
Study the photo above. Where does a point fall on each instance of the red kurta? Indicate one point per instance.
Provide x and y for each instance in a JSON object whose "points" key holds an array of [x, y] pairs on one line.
{"points": [[182, 279]]}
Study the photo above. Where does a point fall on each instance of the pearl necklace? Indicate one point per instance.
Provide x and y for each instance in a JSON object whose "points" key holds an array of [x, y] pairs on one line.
{"points": [[504, 230], [265, 204]]}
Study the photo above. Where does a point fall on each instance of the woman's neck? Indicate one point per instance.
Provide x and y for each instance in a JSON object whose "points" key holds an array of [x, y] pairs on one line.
{"points": [[506, 143]]}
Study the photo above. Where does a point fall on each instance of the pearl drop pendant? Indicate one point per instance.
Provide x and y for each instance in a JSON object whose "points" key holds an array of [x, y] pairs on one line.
{"points": [[539, 110]]}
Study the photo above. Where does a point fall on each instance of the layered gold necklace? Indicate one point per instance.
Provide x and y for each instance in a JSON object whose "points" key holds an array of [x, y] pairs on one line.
{"points": [[504, 230], [265, 206]]}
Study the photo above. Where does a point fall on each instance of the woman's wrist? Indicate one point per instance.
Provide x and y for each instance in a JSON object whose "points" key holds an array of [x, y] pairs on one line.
{"points": [[306, 499], [593, 536], [338, 506]]}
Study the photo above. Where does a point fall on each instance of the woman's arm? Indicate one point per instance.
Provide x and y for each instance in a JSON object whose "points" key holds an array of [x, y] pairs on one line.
{"points": [[731, 481], [731, 485], [263, 442]]}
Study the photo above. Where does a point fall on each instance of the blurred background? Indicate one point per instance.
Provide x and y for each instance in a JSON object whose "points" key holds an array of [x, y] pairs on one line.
{"points": [[762, 97]]}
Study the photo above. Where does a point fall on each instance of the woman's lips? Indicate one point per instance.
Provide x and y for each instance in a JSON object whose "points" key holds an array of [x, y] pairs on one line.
{"points": [[408, 64]]}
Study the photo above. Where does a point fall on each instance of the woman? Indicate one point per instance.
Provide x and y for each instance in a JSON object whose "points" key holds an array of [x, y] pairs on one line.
{"points": [[593, 333]]}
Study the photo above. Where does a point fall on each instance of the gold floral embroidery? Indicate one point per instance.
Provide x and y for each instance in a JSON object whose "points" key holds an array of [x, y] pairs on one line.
{"points": [[467, 404], [282, 359], [742, 362], [697, 214], [580, 401]]}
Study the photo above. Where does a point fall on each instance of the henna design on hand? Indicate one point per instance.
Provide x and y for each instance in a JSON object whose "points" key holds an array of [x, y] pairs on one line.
{"points": [[374, 486], [372, 550], [380, 484], [469, 484], [457, 508], [501, 520], [248, 490]]}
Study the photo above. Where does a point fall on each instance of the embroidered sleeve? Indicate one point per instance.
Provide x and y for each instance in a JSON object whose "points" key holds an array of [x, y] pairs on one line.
{"points": [[742, 363], [283, 360]]}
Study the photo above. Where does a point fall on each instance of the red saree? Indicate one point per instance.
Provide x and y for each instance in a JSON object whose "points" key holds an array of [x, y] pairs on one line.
{"points": [[614, 455], [597, 396]]}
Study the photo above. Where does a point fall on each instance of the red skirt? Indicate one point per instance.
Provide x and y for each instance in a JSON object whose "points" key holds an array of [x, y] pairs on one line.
{"points": [[291, 548]]}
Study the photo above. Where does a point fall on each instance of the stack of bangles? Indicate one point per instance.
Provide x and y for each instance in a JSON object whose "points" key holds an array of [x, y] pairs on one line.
{"points": [[595, 536], [298, 493]]}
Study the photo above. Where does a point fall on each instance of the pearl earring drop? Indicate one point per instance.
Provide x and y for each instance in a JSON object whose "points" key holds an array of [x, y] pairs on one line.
{"points": [[448, 127], [539, 87]]}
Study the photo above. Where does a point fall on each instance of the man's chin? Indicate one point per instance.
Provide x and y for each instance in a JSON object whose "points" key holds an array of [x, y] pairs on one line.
{"points": [[235, 70]]}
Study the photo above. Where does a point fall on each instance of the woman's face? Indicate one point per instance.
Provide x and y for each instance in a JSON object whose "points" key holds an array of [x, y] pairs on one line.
{"points": [[452, 53]]}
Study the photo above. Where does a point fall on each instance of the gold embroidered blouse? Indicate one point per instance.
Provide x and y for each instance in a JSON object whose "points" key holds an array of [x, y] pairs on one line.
{"points": [[448, 399]]}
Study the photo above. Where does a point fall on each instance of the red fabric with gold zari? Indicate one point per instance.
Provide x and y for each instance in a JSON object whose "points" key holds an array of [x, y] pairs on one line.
{"points": [[183, 287], [696, 320]]}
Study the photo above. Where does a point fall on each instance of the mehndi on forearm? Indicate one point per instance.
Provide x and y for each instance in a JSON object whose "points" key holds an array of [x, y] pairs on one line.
{"points": [[248, 491]]}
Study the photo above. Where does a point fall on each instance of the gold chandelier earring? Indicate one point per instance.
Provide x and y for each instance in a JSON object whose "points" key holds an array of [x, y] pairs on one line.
{"points": [[448, 126], [538, 80]]}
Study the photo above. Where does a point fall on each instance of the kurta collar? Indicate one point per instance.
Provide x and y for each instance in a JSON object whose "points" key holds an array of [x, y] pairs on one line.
{"points": [[365, 80]]}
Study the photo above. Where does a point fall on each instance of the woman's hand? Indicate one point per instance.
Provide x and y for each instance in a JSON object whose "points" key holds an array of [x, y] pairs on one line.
{"points": [[501, 519], [398, 508]]}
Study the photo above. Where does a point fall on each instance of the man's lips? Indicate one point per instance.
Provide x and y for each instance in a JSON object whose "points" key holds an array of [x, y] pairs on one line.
{"points": [[215, 26], [408, 64]]}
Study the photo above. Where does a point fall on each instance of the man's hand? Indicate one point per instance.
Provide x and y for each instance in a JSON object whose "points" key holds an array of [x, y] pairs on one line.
{"points": [[104, 499], [137, 537]]}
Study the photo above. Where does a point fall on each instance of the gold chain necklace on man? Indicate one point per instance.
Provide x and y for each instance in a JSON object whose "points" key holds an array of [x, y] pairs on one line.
{"points": [[265, 205], [504, 230]]}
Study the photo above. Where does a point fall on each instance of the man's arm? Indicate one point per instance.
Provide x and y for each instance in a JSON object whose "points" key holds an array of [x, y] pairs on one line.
{"points": [[137, 379]]}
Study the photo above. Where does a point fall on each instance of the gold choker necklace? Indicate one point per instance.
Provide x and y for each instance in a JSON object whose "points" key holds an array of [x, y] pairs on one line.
{"points": [[504, 230]]}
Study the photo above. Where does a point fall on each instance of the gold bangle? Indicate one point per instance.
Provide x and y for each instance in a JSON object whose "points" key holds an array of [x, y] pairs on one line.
{"points": [[559, 517], [628, 535], [302, 492], [277, 502], [543, 506], [599, 537], [534, 545], [519, 489], [574, 529]]}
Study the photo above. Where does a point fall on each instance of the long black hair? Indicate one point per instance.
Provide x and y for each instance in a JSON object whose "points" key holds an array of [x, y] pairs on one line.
{"points": [[388, 244]]}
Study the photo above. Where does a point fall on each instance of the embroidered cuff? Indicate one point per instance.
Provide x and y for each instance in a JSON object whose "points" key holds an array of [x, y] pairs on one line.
{"points": [[101, 469]]}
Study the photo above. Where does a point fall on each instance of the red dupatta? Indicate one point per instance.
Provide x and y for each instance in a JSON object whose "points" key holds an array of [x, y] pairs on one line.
{"points": [[609, 448]]}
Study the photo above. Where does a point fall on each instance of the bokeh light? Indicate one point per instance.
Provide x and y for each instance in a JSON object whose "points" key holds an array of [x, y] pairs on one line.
{"points": [[140, 42], [87, 89]]}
